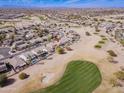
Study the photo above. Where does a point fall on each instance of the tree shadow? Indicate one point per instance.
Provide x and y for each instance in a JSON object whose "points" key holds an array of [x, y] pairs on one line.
{"points": [[63, 53], [27, 76], [9, 82], [115, 62]]}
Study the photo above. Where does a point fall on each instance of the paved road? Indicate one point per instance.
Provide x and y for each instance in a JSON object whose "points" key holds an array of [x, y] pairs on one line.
{"points": [[5, 52]]}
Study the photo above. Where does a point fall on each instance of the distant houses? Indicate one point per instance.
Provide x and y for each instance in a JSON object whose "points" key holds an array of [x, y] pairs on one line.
{"points": [[3, 67], [34, 42], [34, 56]]}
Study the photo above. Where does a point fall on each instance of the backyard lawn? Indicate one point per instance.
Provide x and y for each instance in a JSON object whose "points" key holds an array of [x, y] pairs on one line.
{"points": [[79, 77]]}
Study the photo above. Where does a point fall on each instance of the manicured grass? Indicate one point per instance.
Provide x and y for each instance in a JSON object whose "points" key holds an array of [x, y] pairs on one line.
{"points": [[79, 77]]}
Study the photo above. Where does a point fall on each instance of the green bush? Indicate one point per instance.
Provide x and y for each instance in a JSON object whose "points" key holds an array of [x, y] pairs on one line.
{"points": [[23, 76], [3, 79], [112, 53], [60, 50], [98, 46]]}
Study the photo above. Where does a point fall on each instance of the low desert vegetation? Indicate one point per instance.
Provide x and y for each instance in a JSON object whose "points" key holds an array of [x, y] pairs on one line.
{"points": [[120, 75], [98, 46], [96, 33], [96, 19], [88, 34], [101, 42], [97, 30], [104, 38], [114, 82], [112, 53], [102, 20]]}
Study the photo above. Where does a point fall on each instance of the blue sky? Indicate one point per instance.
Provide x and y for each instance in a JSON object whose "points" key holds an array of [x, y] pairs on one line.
{"points": [[62, 3]]}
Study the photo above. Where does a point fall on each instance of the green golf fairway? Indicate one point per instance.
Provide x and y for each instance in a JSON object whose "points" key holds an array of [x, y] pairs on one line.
{"points": [[79, 77]]}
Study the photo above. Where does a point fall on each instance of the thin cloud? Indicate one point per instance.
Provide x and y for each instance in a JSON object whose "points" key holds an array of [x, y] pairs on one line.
{"points": [[72, 1]]}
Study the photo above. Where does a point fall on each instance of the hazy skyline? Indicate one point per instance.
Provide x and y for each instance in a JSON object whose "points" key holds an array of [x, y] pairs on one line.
{"points": [[61, 3]]}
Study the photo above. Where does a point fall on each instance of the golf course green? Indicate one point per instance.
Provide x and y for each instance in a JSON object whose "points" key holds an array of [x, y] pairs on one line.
{"points": [[79, 77]]}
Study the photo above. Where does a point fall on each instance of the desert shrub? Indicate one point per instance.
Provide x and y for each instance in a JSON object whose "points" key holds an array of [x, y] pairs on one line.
{"points": [[110, 21], [102, 42], [120, 75], [95, 33], [102, 19], [112, 53], [102, 35], [3, 79], [88, 34], [60, 50], [95, 19], [114, 83], [110, 59], [98, 46], [23, 76], [104, 38], [97, 30], [118, 22]]}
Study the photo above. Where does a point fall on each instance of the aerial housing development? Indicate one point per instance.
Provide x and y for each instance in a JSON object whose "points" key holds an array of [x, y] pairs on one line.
{"points": [[61, 50]]}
